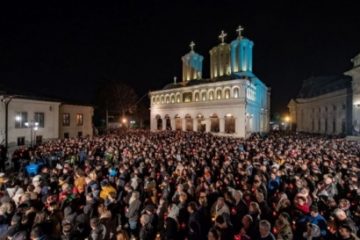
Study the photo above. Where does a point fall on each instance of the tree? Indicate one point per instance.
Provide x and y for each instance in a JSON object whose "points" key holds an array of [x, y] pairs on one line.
{"points": [[116, 97]]}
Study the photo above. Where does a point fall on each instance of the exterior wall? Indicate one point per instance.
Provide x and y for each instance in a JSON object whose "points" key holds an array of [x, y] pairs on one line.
{"points": [[324, 114], [355, 74], [246, 101], [49, 131], [73, 129]]}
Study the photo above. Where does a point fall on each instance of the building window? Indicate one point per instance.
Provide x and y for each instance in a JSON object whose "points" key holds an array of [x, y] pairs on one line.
{"points": [[20, 119], [178, 98], [167, 99], [196, 97], [21, 141], [227, 94], [218, 94], [162, 99], [211, 95], [79, 119], [66, 119], [66, 135], [38, 139], [172, 99], [203, 96], [236, 93], [39, 117]]}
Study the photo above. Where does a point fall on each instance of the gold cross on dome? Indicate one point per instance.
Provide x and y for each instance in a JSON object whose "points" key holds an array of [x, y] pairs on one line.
{"points": [[239, 30], [192, 45], [222, 36]]}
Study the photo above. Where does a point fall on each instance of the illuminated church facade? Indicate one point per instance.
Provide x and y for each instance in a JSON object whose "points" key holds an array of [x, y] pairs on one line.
{"points": [[233, 102]]}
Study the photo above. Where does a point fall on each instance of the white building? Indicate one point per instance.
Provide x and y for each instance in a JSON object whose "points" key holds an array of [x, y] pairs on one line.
{"points": [[75, 121], [329, 105], [33, 120], [23, 113], [233, 102]]}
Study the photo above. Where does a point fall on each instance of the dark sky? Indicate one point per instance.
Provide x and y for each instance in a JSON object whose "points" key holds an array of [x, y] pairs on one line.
{"points": [[70, 49]]}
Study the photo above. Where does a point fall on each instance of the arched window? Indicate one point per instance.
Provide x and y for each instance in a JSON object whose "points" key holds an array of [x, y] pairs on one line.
{"points": [[211, 95], [157, 99], [167, 99], [172, 99], [162, 99], [218, 94], [227, 93], [236, 93], [177, 98], [197, 97], [203, 96]]}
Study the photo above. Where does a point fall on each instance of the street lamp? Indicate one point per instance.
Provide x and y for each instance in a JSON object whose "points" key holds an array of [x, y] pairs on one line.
{"points": [[6, 100], [287, 120], [34, 126]]}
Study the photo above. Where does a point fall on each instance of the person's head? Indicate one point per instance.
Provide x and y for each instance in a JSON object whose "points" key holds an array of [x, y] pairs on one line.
{"points": [[122, 235], [283, 218], [254, 208], [247, 220], [345, 231], [314, 210], [182, 197], [264, 228], [202, 198], [144, 219], [327, 179], [192, 207], [36, 233], [94, 222], [213, 234], [340, 214]]}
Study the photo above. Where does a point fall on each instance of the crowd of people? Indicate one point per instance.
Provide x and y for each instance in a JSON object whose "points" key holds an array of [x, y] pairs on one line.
{"points": [[183, 185]]}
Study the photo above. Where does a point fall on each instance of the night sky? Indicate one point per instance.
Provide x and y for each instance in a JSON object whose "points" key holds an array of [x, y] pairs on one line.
{"points": [[69, 50]]}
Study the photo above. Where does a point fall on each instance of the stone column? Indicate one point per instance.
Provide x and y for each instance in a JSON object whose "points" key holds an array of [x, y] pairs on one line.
{"points": [[240, 122], [163, 124], [208, 123], [195, 124], [222, 125], [183, 121], [172, 122]]}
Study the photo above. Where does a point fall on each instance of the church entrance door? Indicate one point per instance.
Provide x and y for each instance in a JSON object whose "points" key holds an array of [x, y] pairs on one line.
{"points": [[178, 123], [189, 123]]}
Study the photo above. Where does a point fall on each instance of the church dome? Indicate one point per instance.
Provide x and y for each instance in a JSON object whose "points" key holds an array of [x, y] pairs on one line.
{"points": [[220, 58], [192, 65], [241, 53]]}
